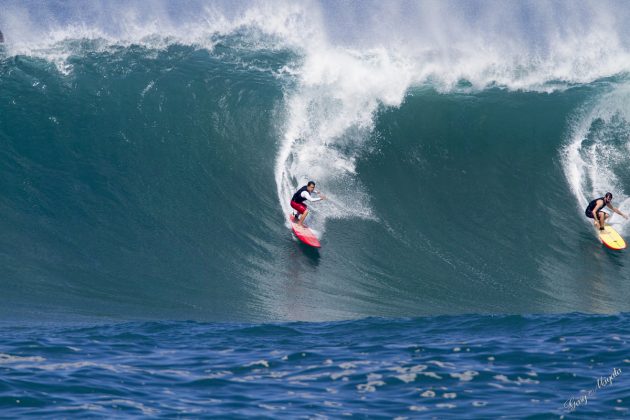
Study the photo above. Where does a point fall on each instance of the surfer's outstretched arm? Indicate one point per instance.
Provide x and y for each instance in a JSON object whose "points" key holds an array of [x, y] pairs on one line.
{"points": [[321, 196], [616, 210], [309, 197]]}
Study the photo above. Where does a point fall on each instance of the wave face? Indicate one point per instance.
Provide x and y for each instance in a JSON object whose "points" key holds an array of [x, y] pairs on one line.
{"points": [[149, 154]]}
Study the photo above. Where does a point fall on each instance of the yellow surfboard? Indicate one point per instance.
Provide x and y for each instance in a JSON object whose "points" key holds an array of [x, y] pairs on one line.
{"points": [[611, 238]]}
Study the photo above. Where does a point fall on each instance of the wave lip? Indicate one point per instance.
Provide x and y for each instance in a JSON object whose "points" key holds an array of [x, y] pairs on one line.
{"points": [[480, 44]]}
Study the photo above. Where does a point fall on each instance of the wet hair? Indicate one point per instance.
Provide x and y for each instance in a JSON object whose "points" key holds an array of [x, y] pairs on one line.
{"points": [[310, 183], [608, 195]]}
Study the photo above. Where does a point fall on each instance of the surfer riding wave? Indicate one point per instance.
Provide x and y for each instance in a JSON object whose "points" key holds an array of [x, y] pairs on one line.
{"points": [[298, 201], [594, 210]]}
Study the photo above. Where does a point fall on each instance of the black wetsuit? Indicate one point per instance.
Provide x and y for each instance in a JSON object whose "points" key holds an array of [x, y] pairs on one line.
{"points": [[592, 205], [297, 197]]}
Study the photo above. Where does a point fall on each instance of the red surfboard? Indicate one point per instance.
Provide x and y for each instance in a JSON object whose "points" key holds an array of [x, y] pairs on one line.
{"points": [[304, 234]]}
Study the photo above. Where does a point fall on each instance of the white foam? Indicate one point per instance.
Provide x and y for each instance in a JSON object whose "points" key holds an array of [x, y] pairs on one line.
{"points": [[466, 376], [328, 125], [147, 411], [597, 147], [537, 45], [7, 358], [261, 362], [76, 366], [57, 34]]}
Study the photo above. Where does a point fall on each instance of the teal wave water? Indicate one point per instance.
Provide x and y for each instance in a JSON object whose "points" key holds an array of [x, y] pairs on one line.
{"points": [[109, 185], [146, 175]]}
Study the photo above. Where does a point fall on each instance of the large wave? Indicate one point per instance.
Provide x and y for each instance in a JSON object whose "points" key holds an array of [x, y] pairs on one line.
{"points": [[152, 150]]}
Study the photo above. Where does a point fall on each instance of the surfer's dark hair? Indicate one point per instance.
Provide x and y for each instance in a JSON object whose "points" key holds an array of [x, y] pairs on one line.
{"points": [[311, 183], [608, 195]]}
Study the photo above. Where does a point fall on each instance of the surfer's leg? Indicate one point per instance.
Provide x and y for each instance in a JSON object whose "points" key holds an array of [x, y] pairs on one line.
{"points": [[590, 216], [602, 219], [303, 217], [299, 209]]}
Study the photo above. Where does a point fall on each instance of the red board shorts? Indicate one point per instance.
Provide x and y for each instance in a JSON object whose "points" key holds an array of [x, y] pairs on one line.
{"points": [[300, 208]]}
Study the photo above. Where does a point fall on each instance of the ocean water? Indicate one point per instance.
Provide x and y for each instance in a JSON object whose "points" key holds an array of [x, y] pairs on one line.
{"points": [[148, 155], [470, 366]]}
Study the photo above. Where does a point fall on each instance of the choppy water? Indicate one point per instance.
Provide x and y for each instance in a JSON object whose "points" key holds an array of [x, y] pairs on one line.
{"points": [[459, 367], [148, 152]]}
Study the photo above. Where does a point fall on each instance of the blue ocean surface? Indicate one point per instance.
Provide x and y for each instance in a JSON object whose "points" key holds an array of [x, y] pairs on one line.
{"points": [[148, 154], [475, 366]]}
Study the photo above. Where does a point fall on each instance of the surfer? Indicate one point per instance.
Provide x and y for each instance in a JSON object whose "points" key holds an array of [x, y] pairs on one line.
{"points": [[594, 210], [1, 37], [299, 198]]}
